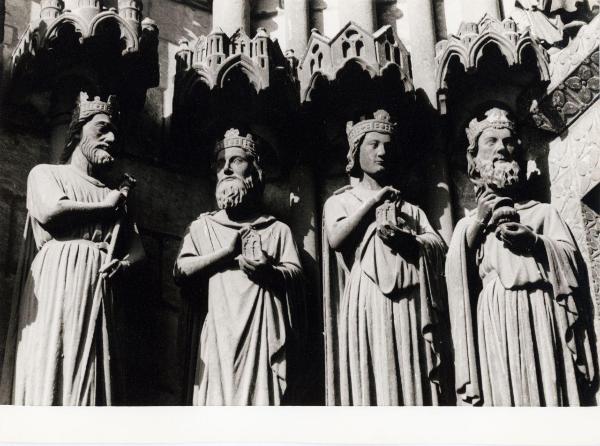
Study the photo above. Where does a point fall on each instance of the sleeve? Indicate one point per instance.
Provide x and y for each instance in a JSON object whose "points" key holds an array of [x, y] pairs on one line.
{"points": [[187, 249], [333, 212], [43, 192]]}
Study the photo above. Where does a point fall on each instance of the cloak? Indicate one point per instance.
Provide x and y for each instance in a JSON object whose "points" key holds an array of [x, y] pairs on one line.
{"points": [[518, 286]]}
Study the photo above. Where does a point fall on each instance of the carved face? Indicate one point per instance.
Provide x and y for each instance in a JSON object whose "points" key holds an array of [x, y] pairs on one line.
{"points": [[496, 145], [98, 136], [495, 160], [237, 178], [375, 152]]}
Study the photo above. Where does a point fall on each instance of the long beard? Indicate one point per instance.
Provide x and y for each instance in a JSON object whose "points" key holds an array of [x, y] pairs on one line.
{"points": [[502, 176], [234, 191], [94, 154]]}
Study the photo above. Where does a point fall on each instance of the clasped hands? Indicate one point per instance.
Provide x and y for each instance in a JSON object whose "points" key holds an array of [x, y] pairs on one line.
{"points": [[391, 234], [257, 270], [517, 237]]}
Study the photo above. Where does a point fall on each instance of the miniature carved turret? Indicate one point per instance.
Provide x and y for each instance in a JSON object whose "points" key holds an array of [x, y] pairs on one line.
{"points": [[213, 56], [131, 10], [374, 52], [51, 9]]}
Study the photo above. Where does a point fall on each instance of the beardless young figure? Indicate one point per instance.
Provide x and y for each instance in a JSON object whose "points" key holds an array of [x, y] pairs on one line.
{"points": [[61, 332], [383, 285], [246, 269], [516, 291]]}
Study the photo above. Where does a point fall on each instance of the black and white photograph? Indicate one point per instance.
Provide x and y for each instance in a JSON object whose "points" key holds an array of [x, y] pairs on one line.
{"points": [[304, 206]]}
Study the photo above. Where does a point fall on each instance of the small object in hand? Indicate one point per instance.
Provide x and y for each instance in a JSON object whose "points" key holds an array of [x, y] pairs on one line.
{"points": [[386, 214], [504, 202], [252, 245], [502, 216]]}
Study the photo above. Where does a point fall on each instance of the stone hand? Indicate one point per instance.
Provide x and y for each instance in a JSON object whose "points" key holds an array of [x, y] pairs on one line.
{"points": [[257, 270], [397, 238], [114, 201], [486, 204], [112, 267], [517, 237], [386, 193], [234, 248]]}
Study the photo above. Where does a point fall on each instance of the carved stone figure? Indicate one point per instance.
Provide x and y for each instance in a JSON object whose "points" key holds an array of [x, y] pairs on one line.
{"points": [[246, 267], [516, 287], [77, 236], [543, 19], [383, 282]]}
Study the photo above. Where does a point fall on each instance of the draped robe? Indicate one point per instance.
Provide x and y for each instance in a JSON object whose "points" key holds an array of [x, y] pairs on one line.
{"points": [[242, 354], [382, 312], [519, 322], [57, 350]]}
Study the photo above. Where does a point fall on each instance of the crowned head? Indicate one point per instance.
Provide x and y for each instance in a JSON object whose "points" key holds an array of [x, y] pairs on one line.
{"points": [[93, 130], [238, 170], [493, 151], [370, 144]]}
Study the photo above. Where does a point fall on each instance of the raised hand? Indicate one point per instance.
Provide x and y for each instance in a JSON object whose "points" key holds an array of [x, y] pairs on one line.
{"points": [[486, 203], [386, 193], [234, 248]]}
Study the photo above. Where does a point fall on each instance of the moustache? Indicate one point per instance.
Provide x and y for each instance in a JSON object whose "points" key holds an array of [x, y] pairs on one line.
{"points": [[96, 152]]}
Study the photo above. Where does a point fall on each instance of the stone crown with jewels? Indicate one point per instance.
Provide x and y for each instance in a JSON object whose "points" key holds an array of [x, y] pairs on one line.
{"points": [[381, 122], [494, 118], [88, 108], [233, 139]]}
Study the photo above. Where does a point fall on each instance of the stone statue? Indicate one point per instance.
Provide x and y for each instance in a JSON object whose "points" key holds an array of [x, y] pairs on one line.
{"points": [[516, 287], [246, 266], [543, 19], [77, 236], [383, 282]]}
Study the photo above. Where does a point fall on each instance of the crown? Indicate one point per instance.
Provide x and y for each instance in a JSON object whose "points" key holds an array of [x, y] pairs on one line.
{"points": [[381, 122], [88, 108], [233, 139], [494, 118]]}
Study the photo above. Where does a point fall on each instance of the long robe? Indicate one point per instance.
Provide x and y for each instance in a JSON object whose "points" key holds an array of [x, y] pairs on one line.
{"points": [[57, 349], [518, 322], [242, 353], [382, 312]]}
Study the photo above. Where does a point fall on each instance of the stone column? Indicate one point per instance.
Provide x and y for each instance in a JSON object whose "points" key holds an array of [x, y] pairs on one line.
{"points": [[230, 15], [362, 12], [474, 10], [507, 7], [421, 22], [296, 25]]}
